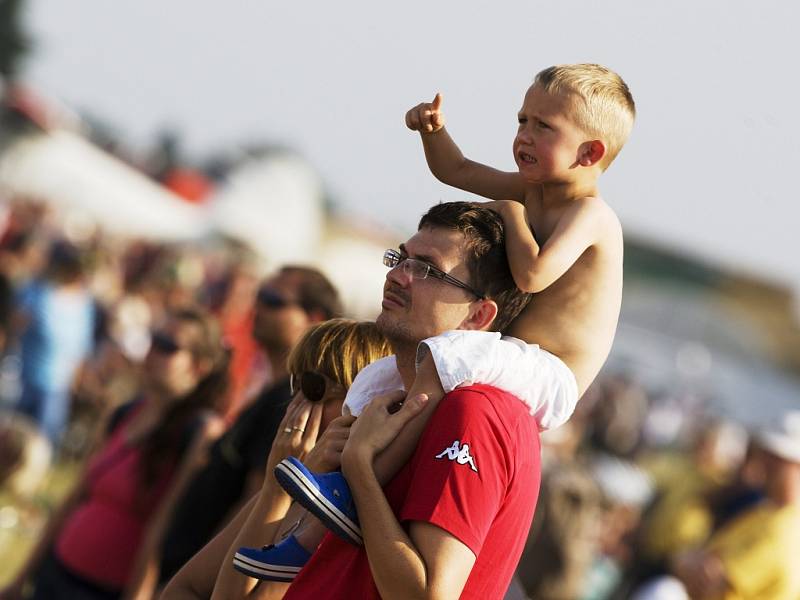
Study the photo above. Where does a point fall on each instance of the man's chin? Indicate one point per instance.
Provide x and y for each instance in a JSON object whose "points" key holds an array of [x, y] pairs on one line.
{"points": [[394, 330]]}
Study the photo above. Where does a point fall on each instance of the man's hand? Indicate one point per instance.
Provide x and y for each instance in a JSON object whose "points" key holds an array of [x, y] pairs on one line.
{"points": [[326, 455], [379, 424], [426, 117]]}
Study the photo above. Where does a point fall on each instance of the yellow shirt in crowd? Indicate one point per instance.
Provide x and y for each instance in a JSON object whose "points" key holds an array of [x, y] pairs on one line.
{"points": [[761, 553]]}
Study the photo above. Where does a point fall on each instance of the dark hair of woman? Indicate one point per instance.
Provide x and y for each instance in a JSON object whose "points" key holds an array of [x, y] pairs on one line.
{"points": [[168, 441]]}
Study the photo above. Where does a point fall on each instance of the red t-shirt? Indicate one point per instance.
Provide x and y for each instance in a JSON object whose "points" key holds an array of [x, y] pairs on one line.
{"points": [[475, 474]]}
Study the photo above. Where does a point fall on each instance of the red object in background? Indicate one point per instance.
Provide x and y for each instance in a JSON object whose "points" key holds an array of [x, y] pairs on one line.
{"points": [[238, 332], [189, 184]]}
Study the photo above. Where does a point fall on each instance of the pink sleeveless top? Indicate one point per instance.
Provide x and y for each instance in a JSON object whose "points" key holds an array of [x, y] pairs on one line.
{"points": [[102, 535]]}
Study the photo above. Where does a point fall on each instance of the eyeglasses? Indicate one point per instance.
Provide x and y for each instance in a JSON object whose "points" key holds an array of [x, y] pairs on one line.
{"points": [[272, 298], [313, 385], [164, 342], [418, 269]]}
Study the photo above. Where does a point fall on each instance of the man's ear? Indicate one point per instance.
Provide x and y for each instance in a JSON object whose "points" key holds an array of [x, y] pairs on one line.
{"points": [[591, 153], [481, 316]]}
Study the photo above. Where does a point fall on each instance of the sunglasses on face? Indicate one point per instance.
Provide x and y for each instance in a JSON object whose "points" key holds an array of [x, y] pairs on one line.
{"points": [[313, 385], [164, 343], [272, 298]]}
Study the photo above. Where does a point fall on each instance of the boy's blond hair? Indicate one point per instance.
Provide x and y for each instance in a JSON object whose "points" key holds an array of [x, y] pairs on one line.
{"points": [[338, 348], [605, 108]]}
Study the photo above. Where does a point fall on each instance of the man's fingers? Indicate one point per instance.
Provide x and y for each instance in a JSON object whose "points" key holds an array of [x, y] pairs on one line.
{"points": [[412, 407], [389, 398], [437, 101]]}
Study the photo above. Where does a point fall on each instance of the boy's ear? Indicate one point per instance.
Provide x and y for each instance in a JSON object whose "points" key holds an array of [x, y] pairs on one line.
{"points": [[481, 316], [591, 153]]}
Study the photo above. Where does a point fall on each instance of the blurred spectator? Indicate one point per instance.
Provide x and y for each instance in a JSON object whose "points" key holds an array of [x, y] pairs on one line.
{"points": [[564, 536], [287, 305], [745, 489], [24, 455], [757, 554], [681, 517], [6, 312], [618, 411], [57, 324], [102, 537], [626, 491]]}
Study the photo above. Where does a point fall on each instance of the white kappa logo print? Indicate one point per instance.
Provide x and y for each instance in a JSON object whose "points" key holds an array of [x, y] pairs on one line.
{"points": [[459, 453]]}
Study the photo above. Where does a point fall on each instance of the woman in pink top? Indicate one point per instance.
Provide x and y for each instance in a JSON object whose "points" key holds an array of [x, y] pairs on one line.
{"points": [[103, 538]]}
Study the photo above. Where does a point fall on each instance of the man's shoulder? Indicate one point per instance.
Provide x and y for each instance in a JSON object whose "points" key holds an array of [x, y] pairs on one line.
{"points": [[483, 402]]}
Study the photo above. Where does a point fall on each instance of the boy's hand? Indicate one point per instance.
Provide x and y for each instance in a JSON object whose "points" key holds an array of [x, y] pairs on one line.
{"points": [[426, 117], [505, 208]]}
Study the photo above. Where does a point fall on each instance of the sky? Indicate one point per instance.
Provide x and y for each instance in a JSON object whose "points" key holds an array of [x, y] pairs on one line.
{"points": [[709, 168]]}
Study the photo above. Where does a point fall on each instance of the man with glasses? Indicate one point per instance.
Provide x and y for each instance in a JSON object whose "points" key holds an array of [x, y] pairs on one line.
{"points": [[455, 518], [286, 305]]}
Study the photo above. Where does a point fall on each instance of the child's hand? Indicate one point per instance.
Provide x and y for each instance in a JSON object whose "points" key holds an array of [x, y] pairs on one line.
{"points": [[426, 117], [326, 455], [505, 207]]}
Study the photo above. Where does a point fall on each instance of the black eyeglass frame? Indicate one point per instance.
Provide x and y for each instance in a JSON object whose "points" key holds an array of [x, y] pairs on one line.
{"points": [[393, 258]]}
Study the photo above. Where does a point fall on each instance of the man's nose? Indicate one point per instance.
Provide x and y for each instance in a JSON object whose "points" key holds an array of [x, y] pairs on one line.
{"points": [[398, 275]]}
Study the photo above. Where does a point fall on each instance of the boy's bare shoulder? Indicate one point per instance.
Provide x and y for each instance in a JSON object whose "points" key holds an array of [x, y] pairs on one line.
{"points": [[597, 209]]}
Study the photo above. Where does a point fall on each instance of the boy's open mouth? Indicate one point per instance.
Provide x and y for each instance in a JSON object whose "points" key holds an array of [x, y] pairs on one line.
{"points": [[526, 158]]}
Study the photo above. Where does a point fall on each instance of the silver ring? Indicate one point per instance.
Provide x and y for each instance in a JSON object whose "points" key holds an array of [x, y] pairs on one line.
{"points": [[300, 429], [287, 430]]}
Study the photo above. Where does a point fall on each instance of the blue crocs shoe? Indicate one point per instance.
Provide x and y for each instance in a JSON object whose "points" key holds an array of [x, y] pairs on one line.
{"points": [[279, 562], [325, 495]]}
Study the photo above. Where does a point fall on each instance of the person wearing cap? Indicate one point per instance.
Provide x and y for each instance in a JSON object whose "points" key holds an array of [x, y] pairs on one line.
{"points": [[756, 555]]}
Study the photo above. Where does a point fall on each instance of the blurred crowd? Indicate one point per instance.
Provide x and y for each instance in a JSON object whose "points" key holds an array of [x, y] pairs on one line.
{"points": [[179, 351]]}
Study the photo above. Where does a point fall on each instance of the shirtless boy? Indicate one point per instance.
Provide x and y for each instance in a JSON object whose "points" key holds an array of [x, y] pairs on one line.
{"points": [[563, 242]]}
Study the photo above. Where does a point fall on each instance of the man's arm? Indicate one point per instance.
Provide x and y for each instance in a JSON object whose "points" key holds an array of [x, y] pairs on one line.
{"points": [[427, 563], [449, 165], [535, 269]]}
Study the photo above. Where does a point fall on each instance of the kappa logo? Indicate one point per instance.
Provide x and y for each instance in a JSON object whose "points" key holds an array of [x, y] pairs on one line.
{"points": [[460, 453]]}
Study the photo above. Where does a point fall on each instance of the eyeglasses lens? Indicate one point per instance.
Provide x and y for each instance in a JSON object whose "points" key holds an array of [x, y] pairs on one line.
{"points": [[313, 386]]}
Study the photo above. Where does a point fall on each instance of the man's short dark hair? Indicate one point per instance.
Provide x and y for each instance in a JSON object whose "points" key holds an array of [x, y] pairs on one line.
{"points": [[487, 262], [315, 292]]}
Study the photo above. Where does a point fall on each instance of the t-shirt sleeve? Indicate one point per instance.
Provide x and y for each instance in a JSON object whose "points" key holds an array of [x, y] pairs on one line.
{"points": [[461, 468]]}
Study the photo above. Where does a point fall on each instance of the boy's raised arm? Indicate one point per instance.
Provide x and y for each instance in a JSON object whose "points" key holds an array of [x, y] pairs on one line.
{"points": [[449, 166]]}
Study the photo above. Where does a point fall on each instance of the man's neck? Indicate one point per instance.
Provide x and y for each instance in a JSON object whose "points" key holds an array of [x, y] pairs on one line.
{"points": [[406, 356], [277, 363]]}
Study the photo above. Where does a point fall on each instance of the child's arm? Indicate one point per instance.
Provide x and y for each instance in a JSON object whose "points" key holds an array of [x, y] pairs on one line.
{"points": [[449, 166], [534, 268], [399, 451]]}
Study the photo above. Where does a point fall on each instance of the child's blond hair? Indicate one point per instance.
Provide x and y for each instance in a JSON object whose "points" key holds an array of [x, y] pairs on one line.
{"points": [[605, 108], [338, 348]]}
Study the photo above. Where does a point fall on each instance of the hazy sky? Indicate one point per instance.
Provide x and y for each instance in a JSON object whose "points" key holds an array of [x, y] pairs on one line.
{"points": [[709, 167]]}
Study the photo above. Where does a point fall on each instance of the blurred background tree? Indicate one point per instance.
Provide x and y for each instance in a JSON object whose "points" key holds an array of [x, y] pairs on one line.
{"points": [[14, 42]]}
